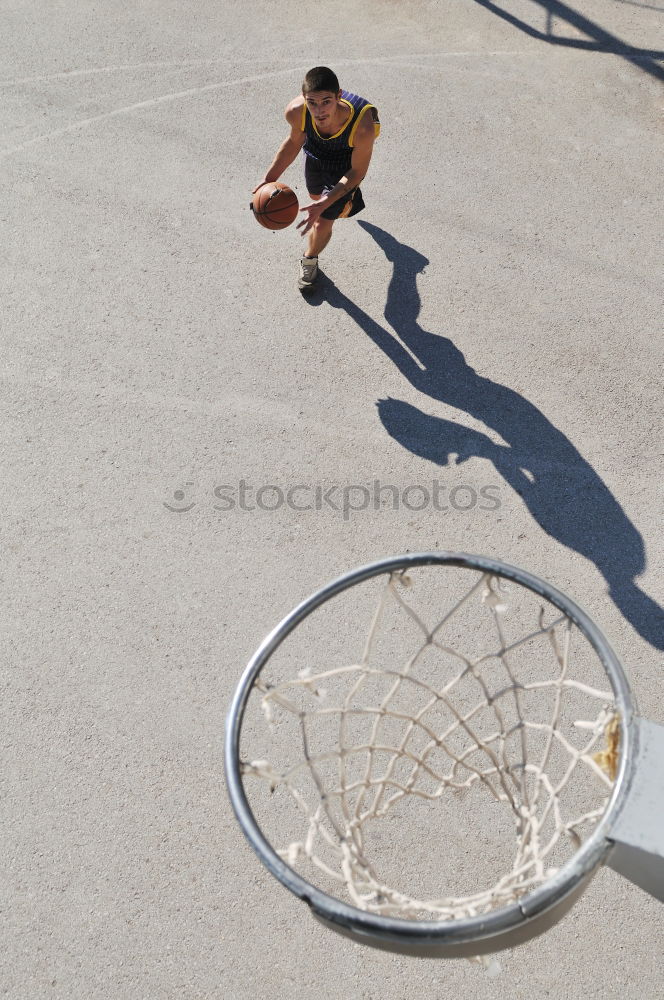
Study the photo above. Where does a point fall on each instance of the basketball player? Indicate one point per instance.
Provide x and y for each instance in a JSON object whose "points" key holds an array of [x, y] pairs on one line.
{"points": [[336, 129]]}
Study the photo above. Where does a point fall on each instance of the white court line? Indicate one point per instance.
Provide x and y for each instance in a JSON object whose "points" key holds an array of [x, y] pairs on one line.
{"points": [[67, 74], [85, 122], [89, 392], [71, 73], [452, 52]]}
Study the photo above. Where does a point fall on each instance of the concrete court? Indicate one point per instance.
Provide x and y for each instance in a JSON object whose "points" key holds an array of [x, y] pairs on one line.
{"points": [[155, 347]]}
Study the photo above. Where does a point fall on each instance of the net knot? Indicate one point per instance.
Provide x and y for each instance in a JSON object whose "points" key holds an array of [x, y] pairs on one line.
{"points": [[263, 769]]}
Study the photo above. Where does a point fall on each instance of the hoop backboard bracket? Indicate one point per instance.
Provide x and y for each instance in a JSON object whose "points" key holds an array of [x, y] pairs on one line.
{"points": [[638, 831]]}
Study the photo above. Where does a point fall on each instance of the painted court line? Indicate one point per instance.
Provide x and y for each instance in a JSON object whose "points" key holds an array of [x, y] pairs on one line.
{"points": [[195, 91]]}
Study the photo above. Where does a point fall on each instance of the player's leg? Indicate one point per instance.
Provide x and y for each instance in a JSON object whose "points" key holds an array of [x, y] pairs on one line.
{"points": [[319, 236], [343, 208], [309, 262]]}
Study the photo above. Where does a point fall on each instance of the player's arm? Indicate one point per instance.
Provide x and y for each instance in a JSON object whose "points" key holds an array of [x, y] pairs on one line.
{"points": [[291, 146], [361, 158]]}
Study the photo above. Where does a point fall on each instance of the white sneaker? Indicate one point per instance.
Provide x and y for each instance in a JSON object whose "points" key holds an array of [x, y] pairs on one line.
{"points": [[308, 272]]}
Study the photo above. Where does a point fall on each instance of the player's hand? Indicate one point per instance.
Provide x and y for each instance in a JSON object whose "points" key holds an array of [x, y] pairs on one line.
{"points": [[262, 184], [314, 211]]}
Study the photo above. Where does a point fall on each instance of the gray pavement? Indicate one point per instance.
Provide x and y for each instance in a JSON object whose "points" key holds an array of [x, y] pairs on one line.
{"points": [[155, 348]]}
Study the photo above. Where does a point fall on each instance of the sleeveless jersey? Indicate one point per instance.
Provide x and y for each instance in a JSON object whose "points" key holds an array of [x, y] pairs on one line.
{"points": [[333, 153]]}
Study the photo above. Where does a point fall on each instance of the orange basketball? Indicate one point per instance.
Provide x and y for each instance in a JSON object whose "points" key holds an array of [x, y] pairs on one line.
{"points": [[275, 205]]}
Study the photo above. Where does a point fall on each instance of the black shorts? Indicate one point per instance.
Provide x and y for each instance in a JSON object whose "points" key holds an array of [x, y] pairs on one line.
{"points": [[320, 181]]}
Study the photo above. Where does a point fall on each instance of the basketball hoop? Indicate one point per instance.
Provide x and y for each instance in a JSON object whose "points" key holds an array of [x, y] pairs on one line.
{"points": [[441, 755]]}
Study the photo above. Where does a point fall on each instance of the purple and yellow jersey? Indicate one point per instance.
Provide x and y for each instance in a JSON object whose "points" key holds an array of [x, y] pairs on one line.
{"points": [[334, 152]]}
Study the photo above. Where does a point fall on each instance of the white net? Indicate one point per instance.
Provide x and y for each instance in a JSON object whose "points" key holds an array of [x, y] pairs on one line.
{"points": [[489, 726]]}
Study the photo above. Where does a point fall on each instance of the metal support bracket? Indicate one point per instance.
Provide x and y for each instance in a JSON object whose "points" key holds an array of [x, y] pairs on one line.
{"points": [[638, 833]]}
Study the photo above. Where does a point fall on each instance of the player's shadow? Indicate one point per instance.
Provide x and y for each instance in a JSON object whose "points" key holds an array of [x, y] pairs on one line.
{"points": [[597, 39], [559, 487]]}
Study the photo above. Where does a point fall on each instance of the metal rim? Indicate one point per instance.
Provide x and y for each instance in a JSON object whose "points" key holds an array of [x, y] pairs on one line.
{"points": [[497, 922]]}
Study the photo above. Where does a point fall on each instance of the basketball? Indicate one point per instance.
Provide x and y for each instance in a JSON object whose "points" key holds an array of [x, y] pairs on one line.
{"points": [[275, 205]]}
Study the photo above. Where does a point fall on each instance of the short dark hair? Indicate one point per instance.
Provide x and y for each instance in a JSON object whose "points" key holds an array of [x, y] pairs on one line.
{"points": [[320, 78]]}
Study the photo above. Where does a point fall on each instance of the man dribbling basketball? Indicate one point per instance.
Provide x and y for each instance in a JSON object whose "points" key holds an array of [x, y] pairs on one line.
{"points": [[337, 130]]}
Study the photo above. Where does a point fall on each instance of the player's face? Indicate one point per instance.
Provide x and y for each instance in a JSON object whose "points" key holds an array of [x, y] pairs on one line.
{"points": [[323, 105]]}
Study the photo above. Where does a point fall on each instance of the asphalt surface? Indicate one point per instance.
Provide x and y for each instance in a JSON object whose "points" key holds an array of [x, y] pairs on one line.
{"points": [[493, 320]]}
